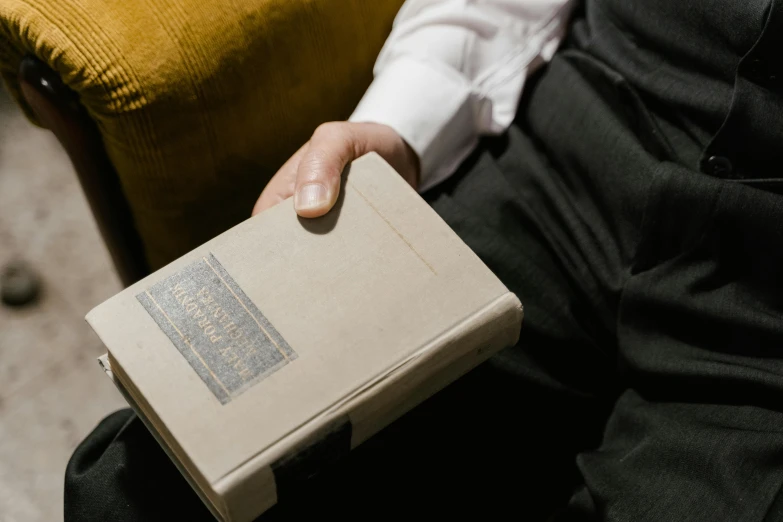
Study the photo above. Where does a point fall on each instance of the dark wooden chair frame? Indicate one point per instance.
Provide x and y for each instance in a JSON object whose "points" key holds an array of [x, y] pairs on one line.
{"points": [[57, 108]]}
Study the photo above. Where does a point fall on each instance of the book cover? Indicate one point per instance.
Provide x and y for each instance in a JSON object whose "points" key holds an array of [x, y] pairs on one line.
{"points": [[284, 342]]}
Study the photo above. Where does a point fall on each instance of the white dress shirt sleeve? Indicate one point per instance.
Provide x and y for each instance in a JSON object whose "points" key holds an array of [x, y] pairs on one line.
{"points": [[453, 70]]}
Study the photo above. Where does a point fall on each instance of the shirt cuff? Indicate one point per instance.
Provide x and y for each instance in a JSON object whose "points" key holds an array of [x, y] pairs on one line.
{"points": [[430, 107]]}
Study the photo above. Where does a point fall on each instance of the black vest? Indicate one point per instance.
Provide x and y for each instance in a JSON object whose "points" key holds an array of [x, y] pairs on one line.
{"points": [[708, 71]]}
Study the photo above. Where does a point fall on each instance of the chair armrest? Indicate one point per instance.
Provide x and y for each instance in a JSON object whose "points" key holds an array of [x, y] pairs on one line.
{"points": [[199, 101]]}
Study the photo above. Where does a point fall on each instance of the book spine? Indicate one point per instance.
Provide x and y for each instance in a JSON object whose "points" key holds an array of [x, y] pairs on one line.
{"points": [[356, 418], [442, 361]]}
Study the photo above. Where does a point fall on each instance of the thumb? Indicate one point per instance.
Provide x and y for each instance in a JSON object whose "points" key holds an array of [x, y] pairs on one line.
{"points": [[332, 147]]}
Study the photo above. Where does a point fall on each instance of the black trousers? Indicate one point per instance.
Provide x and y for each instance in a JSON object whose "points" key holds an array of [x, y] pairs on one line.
{"points": [[648, 381]]}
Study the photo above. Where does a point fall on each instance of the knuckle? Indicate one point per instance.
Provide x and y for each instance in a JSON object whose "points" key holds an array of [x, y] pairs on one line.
{"points": [[319, 165], [330, 130]]}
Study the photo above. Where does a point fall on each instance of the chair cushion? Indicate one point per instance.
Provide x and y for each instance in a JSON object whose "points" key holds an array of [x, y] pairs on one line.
{"points": [[199, 101]]}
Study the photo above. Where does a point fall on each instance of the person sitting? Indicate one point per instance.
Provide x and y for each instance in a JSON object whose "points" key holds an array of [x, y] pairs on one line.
{"points": [[617, 165]]}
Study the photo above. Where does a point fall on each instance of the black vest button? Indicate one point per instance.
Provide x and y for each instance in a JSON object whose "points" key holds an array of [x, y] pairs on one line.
{"points": [[755, 68], [719, 166]]}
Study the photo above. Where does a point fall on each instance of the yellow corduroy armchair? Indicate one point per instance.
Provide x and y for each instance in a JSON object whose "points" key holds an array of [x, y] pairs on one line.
{"points": [[177, 112]]}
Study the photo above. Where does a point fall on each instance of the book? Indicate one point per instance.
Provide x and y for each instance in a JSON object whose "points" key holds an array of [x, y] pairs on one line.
{"points": [[282, 344]]}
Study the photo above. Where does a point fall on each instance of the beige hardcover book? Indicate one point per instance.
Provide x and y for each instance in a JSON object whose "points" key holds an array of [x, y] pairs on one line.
{"points": [[272, 348]]}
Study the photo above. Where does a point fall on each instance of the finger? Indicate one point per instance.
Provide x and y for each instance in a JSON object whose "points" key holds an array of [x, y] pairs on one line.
{"points": [[282, 184], [332, 147]]}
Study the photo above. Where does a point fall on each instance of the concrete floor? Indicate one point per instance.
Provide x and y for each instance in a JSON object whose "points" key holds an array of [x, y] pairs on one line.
{"points": [[52, 392]]}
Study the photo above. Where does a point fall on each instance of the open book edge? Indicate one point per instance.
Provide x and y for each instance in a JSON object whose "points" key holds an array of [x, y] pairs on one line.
{"points": [[103, 360]]}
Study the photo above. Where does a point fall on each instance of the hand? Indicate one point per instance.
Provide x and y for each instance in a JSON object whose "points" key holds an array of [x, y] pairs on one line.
{"points": [[312, 174]]}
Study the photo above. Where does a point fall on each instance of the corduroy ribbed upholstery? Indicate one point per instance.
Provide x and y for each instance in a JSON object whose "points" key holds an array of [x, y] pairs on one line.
{"points": [[199, 101]]}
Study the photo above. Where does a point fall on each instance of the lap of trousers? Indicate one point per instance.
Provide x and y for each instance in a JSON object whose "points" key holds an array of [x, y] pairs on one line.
{"points": [[648, 380]]}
